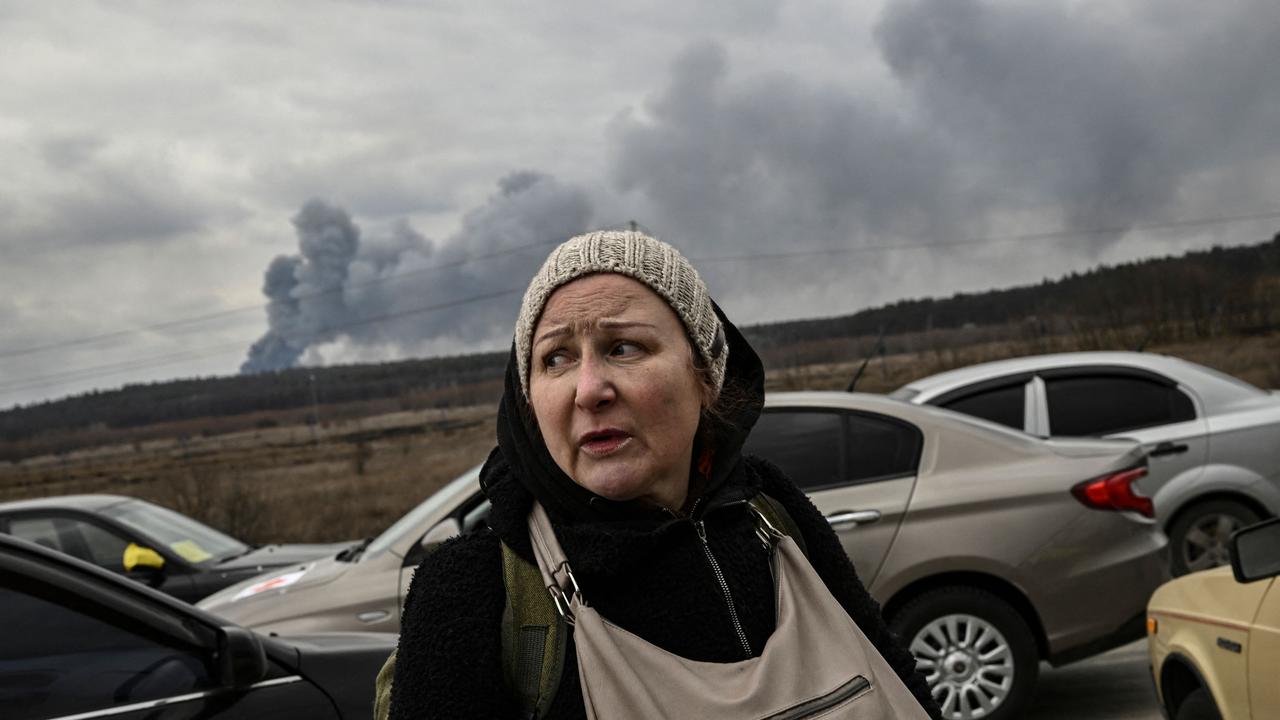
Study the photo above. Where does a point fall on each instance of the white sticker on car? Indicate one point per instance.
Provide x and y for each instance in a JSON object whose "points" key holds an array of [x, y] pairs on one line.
{"points": [[275, 583]]}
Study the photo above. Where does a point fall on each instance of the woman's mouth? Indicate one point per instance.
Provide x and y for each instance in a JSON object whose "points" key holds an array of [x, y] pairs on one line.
{"points": [[600, 443]]}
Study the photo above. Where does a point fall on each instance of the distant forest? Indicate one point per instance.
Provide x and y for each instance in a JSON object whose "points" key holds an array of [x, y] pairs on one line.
{"points": [[1197, 295]]}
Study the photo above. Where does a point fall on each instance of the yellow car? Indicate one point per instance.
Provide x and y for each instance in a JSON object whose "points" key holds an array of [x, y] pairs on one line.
{"points": [[1214, 636]]}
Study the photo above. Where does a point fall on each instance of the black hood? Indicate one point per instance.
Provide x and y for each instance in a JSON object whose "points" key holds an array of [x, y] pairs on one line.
{"points": [[521, 467]]}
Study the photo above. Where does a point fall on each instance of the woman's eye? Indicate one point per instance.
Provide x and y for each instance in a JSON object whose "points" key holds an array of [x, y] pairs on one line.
{"points": [[555, 360], [625, 348]]}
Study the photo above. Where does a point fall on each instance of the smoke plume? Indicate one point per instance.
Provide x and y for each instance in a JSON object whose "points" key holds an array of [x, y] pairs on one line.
{"points": [[380, 293]]}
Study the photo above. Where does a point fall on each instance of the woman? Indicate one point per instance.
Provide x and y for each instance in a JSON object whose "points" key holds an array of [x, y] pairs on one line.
{"points": [[627, 400]]}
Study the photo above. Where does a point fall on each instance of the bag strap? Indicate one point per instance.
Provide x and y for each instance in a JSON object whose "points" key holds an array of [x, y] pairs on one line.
{"points": [[777, 516], [534, 631], [533, 636]]}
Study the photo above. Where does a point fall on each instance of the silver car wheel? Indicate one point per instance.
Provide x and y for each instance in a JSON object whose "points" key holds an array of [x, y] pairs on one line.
{"points": [[1206, 543], [968, 664]]}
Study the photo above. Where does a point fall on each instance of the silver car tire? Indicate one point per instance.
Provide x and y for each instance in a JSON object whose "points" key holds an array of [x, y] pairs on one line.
{"points": [[975, 650], [1198, 535]]}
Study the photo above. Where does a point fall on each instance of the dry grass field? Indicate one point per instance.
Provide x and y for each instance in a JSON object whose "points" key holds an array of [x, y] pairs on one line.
{"points": [[349, 480], [352, 477]]}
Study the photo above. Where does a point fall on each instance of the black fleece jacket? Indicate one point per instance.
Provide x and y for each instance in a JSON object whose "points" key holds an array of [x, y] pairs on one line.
{"points": [[645, 571]]}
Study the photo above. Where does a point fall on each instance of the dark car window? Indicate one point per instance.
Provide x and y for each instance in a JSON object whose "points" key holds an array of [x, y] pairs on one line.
{"points": [[75, 537], [1094, 405], [1004, 405], [823, 448], [880, 448], [807, 446], [62, 656]]}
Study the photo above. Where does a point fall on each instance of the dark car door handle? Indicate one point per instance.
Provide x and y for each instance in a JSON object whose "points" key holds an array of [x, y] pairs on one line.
{"points": [[1167, 448], [853, 518]]}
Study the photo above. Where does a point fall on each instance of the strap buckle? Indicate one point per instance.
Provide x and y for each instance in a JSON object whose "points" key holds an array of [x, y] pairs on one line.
{"points": [[769, 534], [558, 595]]}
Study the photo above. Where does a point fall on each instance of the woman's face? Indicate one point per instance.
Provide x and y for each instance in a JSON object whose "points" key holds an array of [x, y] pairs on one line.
{"points": [[613, 387]]}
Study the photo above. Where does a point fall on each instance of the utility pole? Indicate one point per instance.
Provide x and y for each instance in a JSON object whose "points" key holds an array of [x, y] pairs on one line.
{"points": [[315, 410]]}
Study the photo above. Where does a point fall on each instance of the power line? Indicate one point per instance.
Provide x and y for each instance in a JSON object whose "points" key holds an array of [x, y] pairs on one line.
{"points": [[178, 322], [1027, 237], [1059, 234], [115, 368]]}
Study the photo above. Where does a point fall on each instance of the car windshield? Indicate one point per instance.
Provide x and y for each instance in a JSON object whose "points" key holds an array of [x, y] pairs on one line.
{"points": [[412, 522], [193, 541]]}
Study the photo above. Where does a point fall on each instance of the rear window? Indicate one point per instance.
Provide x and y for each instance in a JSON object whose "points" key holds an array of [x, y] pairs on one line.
{"points": [[807, 446], [1004, 406], [819, 449], [1094, 405]]}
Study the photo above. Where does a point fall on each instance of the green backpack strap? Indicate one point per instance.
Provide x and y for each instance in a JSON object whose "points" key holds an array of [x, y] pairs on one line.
{"points": [[382, 689], [778, 517], [533, 642], [533, 636]]}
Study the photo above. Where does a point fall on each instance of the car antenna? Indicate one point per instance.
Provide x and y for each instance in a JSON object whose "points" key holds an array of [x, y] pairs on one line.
{"points": [[878, 347]]}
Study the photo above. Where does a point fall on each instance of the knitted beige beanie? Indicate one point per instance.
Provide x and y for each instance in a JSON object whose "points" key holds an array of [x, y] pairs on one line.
{"points": [[641, 257]]}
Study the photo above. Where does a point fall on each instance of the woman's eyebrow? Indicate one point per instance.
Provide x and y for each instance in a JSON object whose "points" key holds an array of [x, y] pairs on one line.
{"points": [[622, 324], [553, 333], [603, 324]]}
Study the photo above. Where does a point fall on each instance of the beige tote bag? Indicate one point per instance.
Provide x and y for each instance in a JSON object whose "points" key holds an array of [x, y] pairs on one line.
{"points": [[817, 663]]}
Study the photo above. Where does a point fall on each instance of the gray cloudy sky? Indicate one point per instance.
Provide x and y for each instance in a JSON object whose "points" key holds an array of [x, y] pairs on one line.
{"points": [[187, 181]]}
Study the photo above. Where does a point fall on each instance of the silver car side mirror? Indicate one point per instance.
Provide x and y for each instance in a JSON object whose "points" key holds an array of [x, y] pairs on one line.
{"points": [[1255, 551]]}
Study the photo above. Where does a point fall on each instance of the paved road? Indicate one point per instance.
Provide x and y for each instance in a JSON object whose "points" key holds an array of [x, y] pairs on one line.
{"points": [[1112, 686]]}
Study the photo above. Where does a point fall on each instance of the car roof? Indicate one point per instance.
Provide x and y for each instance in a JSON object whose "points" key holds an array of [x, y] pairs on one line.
{"points": [[942, 382], [926, 415], [91, 503]]}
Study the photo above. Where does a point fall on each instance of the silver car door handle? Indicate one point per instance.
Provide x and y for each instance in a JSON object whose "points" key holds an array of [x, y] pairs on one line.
{"points": [[853, 518]]}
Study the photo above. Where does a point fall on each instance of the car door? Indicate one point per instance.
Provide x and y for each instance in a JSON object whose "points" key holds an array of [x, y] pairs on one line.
{"points": [[858, 468], [75, 650], [1132, 404], [99, 544], [1264, 653]]}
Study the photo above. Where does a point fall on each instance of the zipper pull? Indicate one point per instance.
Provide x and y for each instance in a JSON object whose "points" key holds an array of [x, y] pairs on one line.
{"points": [[702, 531]]}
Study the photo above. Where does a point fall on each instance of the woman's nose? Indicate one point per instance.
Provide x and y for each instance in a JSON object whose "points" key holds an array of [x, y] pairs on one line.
{"points": [[595, 386]]}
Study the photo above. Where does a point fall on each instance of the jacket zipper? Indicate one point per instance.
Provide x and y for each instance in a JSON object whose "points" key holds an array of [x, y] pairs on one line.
{"points": [[819, 705], [724, 587]]}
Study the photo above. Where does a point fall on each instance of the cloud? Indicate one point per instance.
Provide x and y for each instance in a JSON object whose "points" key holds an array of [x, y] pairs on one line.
{"points": [[1105, 114], [751, 163], [83, 189], [998, 119], [341, 291]]}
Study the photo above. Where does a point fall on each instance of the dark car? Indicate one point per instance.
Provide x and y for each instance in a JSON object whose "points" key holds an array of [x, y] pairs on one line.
{"points": [[82, 642], [149, 543]]}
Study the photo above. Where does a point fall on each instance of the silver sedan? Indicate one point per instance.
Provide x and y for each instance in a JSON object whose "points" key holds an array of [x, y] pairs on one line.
{"points": [[1213, 440]]}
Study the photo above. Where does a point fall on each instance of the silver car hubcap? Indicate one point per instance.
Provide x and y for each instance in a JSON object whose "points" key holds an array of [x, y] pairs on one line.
{"points": [[1206, 544], [968, 664]]}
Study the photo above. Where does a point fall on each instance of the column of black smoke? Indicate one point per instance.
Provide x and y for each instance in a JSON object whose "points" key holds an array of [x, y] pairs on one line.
{"points": [[376, 293]]}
